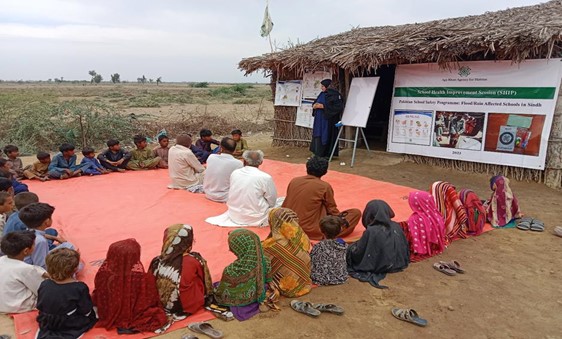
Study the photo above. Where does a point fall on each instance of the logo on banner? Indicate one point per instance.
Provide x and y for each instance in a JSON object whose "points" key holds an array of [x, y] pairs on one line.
{"points": [[464, 71]]}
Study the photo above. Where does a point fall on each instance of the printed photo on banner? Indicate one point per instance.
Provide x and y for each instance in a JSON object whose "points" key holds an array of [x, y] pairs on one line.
{"points": [[462, 130], [304, 114], [514, 133], [311, 86], [288, 93], [412, 127]]}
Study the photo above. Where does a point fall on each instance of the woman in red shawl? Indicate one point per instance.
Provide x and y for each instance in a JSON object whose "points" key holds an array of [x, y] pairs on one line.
{"points": [[426, 228], [448, 203], [125, 294]]}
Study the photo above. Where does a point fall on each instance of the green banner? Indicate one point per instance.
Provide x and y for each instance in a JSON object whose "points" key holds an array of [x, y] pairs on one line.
{"points": [[477, 92]]}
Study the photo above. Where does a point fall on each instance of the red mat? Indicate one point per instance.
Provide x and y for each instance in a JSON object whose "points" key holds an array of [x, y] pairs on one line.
{"points": [[93, 212]]}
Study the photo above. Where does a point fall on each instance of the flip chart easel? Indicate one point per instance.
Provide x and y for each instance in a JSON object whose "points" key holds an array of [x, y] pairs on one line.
{"points": [[356, 113]]}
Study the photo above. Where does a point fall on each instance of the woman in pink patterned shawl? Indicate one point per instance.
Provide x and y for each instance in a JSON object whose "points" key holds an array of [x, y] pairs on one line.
{"points": [[426, 228], [503, 206]]}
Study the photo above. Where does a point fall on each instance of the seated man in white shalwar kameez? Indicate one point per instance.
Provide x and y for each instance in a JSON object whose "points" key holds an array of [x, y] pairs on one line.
{"points": [[251, 195], [183, 167]]}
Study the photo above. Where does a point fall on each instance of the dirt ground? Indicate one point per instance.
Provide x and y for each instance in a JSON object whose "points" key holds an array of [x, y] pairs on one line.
{"points": [[511, 288]]}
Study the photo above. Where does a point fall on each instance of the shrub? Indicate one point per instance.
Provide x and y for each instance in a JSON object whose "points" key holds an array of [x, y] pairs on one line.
{"points": [[200, 84]]}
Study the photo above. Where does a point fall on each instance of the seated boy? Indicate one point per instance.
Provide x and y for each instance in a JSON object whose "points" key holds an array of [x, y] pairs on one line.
{"points": [[15, 163], [142, 158], [241, 144], [91, 165], [14, 222], [328, 265], [6, 206], [5, 172], [40, 169], [114, 158], [162, 150], [19, 280], [38, 217], [63, 165], [206, 140]]}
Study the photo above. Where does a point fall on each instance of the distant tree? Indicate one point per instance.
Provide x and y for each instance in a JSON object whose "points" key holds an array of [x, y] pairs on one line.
{"points": [[142, 80], [57, 80], [50, 80], [61, 79], [98, 78], [151, 80], [115, 78], [93, 74], [158, 81]]}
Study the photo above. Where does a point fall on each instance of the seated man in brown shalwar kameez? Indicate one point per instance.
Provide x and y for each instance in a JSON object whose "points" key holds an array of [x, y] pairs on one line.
{"points": [[312, 199]]}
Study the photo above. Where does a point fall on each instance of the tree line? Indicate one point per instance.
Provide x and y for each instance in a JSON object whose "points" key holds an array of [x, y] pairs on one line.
{"points": [[116, 78]]}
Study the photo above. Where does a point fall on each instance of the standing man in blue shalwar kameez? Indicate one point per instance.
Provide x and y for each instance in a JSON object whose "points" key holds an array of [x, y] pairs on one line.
{"points": [[327, 111]]}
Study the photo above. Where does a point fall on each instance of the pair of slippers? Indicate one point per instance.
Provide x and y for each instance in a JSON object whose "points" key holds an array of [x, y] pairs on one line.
{"points": [[314, 310], [449, 268], [526, 224], [204, 328], [558, 231], [408, 315]]}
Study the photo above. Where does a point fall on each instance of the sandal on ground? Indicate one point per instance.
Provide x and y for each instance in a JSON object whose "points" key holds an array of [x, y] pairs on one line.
{"points": [[558, 231], [453, 265], [444, 269], [409, 315], [329, 308], [524, 224], [537, 225], [304, 307], [206, 329]]}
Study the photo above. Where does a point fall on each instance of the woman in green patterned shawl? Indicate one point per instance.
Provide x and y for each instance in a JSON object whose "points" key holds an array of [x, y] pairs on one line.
{"points": [[244, 281]]}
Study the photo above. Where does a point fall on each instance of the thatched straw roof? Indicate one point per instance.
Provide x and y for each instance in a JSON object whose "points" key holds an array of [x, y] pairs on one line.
{"points": [[513, 34]]}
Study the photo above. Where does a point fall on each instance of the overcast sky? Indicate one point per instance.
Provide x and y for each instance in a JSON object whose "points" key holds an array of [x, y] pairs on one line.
{"points": [[185, 40]]}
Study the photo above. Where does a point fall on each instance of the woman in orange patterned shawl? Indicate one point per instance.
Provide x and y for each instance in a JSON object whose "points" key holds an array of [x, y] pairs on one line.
{"points": [[448, 203], [288, 248]]}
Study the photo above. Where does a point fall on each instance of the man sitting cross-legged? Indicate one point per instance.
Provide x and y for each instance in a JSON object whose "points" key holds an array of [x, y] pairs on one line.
{"points": [[219, 168], [312, 199], [183, 167], [252, 193]]}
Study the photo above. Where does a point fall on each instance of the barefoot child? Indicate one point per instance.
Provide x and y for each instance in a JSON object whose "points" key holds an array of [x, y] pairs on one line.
{"points": [[15, 163], [63, 165], [91, 165], [65, 307], [19, 280], [142, 158], [114, 158], [241, 144], [40, 169], [162, 150], [328, 256]]}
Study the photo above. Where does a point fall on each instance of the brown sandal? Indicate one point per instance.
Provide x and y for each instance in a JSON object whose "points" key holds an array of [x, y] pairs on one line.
{"points": [[453, 265], [444, 269]]}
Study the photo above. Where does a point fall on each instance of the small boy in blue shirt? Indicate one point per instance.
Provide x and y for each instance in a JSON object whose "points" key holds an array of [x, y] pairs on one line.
{"points": [[63, 165], [91, 165], [14, 222], [38, 217]]}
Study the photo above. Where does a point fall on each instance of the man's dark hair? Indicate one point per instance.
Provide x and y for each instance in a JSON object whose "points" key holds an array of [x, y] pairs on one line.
{"points": [[43, 155], [88, 150], [3, 162], [162, 137], [112, 142], [66, 147], [33, 215], [5, 184], [14, 243], [137, 139], [228, 144], [205, 133], [10, 148], [317, 166], [331, 226], [236, 131], [25, 198]]}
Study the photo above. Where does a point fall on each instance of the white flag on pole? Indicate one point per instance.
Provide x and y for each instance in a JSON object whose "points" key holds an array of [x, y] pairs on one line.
{"points": [[267, 24]]}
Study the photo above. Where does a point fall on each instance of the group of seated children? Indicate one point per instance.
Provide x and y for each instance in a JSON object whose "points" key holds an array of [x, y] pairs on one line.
{"points": [[65, 164]]}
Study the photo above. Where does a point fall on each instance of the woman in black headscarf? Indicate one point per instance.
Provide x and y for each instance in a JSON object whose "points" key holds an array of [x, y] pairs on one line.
{"points": [[382, 248], [327, 111]]}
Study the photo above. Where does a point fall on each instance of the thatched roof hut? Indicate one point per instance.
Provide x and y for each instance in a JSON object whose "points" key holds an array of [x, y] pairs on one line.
{"points": [[532, 32]]}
